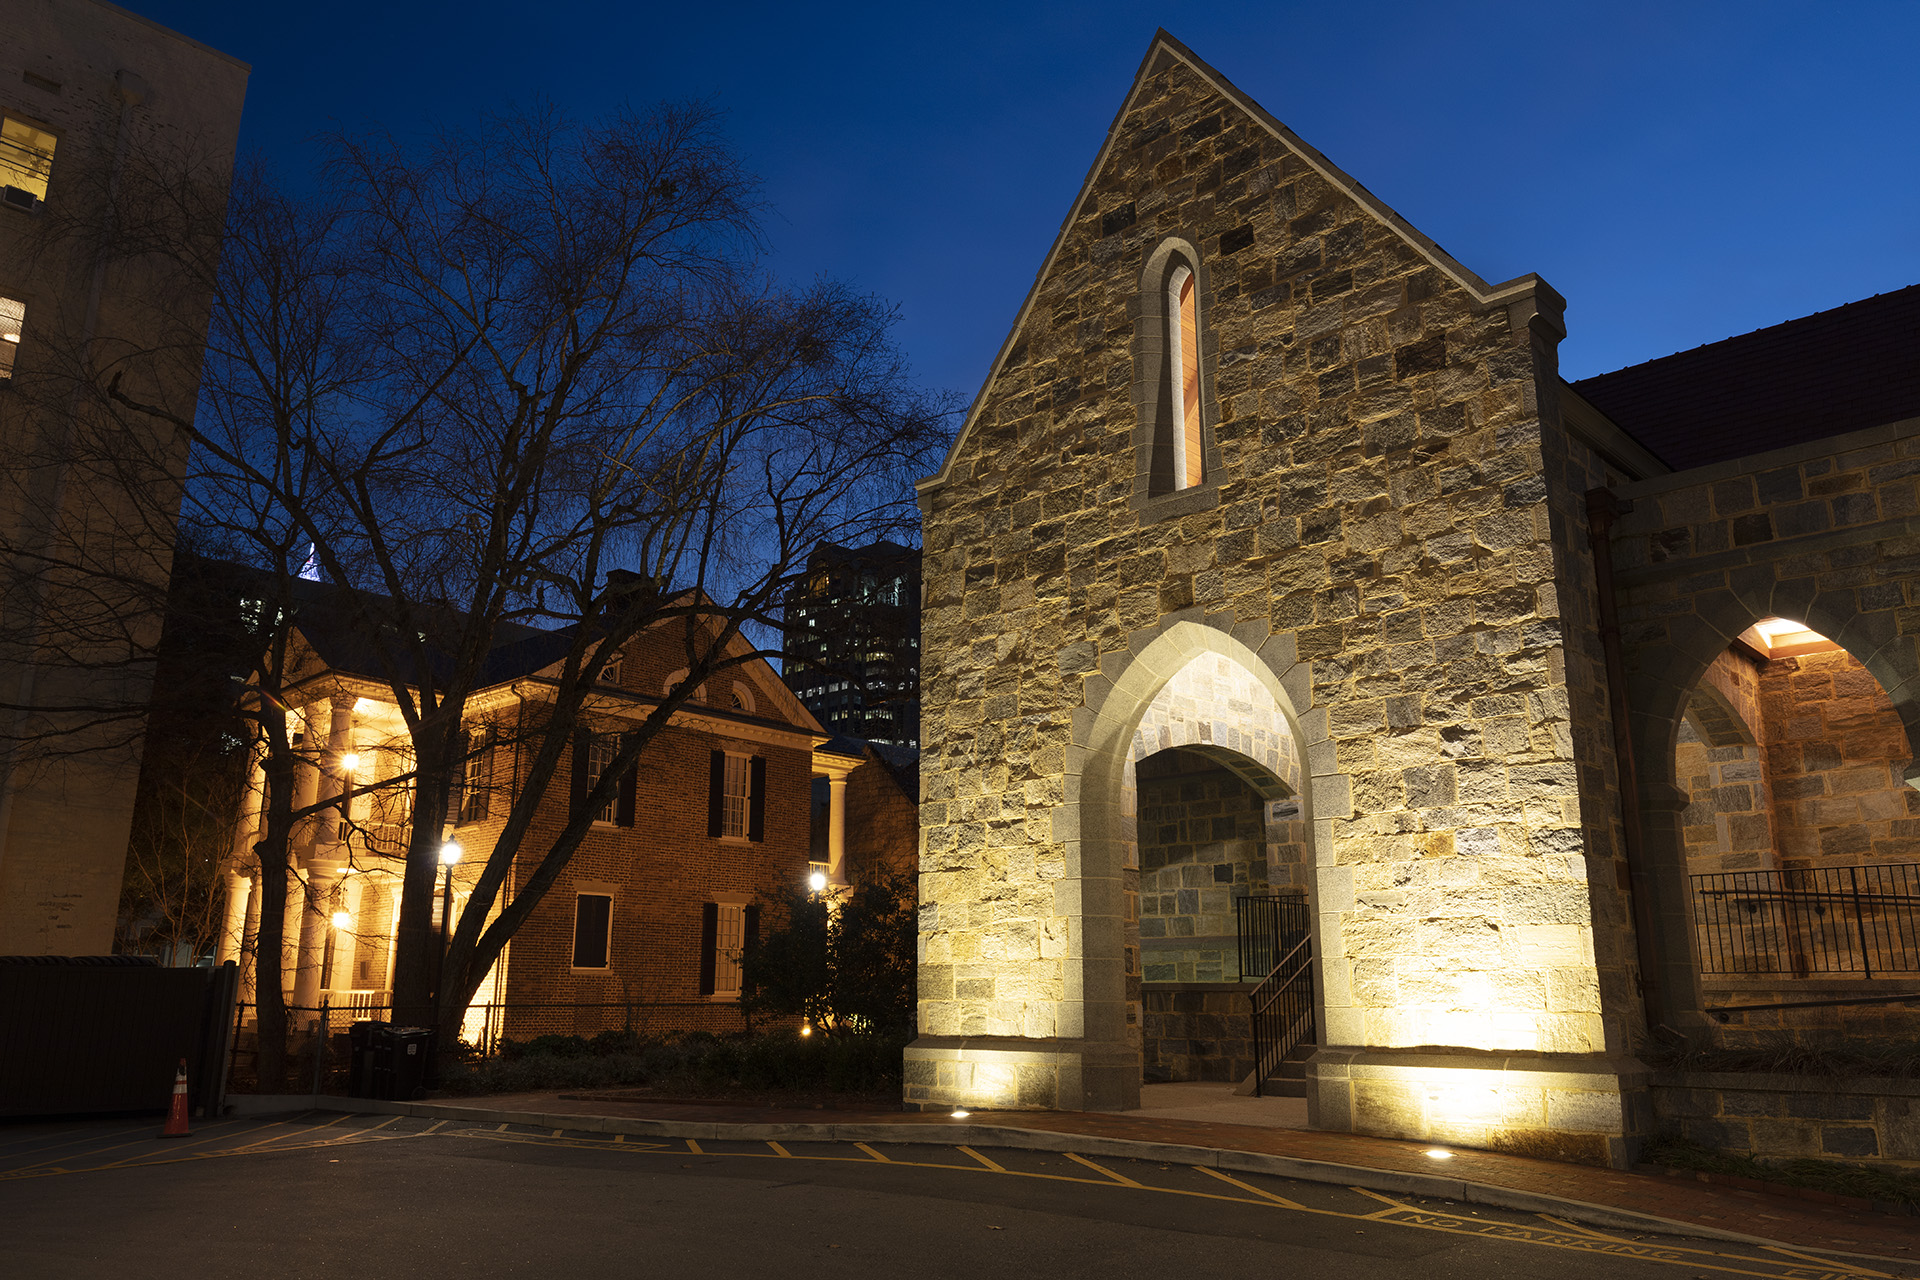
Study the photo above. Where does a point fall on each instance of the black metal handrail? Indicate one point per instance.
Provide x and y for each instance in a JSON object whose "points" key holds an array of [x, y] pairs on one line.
{"points": [[1269, 926], [1282, 1008], [1798, 922]]}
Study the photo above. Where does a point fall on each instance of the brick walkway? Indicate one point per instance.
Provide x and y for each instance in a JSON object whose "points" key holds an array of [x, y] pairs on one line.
{"points": [[1776, 1218]]}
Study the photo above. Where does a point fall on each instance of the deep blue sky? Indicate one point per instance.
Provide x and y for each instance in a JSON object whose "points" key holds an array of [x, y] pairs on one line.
{"points": [[1681, 172]]}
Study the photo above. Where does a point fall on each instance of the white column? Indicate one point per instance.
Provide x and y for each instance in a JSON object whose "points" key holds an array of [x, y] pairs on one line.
{"points": [[315, 920], [250, 939], [837, 830], [293, 911], [233, 930]]}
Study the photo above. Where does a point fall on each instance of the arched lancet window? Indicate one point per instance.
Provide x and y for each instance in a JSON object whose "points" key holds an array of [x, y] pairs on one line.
{"points": [[1183, 384]]}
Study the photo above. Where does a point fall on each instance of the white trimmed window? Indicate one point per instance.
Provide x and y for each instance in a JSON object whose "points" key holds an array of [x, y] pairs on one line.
{"points": [[736, 796], [730, 935], [26, 162], [13, 322], [600, 752]]}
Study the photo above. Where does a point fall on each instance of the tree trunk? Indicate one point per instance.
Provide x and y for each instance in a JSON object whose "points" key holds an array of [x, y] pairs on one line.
{"points": [[417, 941]]}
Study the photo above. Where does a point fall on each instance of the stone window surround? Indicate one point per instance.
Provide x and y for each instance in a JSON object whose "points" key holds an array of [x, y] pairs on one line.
{"points": [[1152, 385]]}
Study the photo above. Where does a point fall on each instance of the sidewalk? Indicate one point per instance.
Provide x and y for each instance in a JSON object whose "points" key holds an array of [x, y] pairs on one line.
{"points": [[1604, 1197]]}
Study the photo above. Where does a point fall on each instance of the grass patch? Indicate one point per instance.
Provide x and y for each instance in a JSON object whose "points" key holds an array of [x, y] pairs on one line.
{"points": [[1894, 1186], [696, 1064]]}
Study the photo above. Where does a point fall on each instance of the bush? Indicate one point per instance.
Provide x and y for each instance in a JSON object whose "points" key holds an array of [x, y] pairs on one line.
{"points": [[845, 970], [695, 1063]]}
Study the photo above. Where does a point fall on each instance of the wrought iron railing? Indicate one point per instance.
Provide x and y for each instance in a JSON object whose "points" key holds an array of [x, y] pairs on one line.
{"points": [[1269, 926], [1861, 921], [1282, 1012]]}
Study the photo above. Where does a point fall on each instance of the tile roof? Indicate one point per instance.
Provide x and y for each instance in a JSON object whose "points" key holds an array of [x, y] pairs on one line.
{"points": [[1826, 374]]}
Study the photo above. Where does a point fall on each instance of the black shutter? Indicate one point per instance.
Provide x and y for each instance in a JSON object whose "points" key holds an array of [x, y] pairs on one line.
{"points": [[592, 930], [457, 789], [757, 800], [716, 798], [751, 933], [582, 755], [629, 785], [709, 937]]}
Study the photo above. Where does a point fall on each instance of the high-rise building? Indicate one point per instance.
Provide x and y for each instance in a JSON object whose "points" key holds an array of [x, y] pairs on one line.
{"points": [[117, 138], [852, 652]]}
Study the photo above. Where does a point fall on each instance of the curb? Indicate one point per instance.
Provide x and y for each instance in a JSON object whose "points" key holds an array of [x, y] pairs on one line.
{"points": [[1007, 1136]]}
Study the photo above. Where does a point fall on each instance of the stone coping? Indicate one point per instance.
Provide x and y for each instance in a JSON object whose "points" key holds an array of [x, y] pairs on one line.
{"points": [[1570, 1071], [1865, 438], [950, 1131], [1175, 988]]}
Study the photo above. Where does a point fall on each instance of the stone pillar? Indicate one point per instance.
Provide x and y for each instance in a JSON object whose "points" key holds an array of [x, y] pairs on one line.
{"points": [[233, 931], [293, 913], [306, 777]]}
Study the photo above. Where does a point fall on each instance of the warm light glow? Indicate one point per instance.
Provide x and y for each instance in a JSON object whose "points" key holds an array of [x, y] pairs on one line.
{"points": [[341, 920], [806, 1029], [1786, 638], [350, 762], [817, 881], [1436, 1153], [450, 853], [958, 1114]]}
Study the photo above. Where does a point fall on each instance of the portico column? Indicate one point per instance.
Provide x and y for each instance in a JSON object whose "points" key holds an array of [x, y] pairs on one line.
{"points": [[250, 939], [837, 830], [233, 930], [315, 920]]}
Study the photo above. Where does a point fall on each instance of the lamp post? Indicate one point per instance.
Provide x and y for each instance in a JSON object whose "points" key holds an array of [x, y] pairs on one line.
{"points": [[449, 858]]}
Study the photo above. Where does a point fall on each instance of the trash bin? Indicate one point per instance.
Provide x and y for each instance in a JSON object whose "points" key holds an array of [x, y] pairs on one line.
{"points": [[408, 1052], [365, 1041]]}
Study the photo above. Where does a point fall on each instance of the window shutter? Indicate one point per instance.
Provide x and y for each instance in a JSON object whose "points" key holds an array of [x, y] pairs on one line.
{"points": [[717, 796], [709, 937], [582, 753], [629, 786], [751, 933], [757, 800], [457, 789]]}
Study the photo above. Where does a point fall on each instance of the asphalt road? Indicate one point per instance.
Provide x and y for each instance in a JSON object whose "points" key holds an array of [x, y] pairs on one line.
{"points": [[367, 1197]]}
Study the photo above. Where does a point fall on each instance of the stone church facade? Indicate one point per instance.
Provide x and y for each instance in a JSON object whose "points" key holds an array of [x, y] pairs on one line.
{"points": [[1263, 478]]}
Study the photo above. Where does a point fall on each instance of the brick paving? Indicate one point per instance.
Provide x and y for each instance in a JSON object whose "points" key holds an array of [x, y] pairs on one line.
{"points": [[1777, 1218]]}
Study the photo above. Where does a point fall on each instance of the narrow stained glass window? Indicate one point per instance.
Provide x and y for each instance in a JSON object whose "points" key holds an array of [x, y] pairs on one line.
{"points": [[1184, 387]]}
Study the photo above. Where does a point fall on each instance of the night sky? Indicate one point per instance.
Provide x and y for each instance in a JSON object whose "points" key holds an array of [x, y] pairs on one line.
{"points": [[1681, 172]]}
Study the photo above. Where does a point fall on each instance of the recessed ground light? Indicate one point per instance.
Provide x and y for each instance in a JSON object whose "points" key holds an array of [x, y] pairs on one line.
{"points": [[1439, 1153], [958, 1114]]}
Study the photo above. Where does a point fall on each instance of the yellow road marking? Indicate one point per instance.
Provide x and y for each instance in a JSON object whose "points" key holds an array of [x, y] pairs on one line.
{"points": [[1119, 1178], [619, 1137], [1807, 1257], [501, 1129], [98, 1151], [875, 1154], [694, 1147], [780, 1150], [432, 1128], [118, 1133], [558, 1132], [1577, 1229], [996, 1168], [1245, 1186], [1393, 1206]]}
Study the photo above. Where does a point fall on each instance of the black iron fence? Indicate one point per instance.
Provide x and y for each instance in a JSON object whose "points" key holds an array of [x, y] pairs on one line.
{"points": [[317, 1036], [1859, 921], [1282, 1012], [1269, 926]]}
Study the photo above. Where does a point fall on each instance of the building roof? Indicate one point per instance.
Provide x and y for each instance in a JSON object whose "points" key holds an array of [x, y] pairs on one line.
{"points": [[1854, 367]]}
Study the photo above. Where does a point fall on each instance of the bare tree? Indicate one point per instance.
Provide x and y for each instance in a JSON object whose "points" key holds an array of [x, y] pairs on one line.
{"points": [[534, 374]]}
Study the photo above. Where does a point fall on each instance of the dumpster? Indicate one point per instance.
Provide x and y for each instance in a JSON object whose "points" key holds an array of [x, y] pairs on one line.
{"points": [[388, 1062]]}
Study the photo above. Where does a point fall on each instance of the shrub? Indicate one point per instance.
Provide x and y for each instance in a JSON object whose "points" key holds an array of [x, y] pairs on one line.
{"points": [[845, 970]]}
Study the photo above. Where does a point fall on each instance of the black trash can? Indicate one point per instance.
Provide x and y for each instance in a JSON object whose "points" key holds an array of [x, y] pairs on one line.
{"points": [[366, 1044], [409, 1051]]}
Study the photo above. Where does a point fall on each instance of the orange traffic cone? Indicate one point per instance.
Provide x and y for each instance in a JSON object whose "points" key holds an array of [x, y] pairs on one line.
{"points": [[177, 1113]]}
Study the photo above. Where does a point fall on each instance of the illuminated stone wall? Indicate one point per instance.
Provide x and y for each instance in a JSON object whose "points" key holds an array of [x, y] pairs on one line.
{"points": [[1379, 573]]}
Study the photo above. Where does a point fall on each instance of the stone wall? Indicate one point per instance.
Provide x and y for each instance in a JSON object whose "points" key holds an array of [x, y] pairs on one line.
{"points": [[1202, 845], [1721, 763], [1856, 1119], [1381, 542], [1197, 1031]]}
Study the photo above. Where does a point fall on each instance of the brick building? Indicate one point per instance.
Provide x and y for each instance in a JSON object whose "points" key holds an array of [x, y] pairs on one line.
{"points": [[646, 924], [94, 100], [1276, 555]]}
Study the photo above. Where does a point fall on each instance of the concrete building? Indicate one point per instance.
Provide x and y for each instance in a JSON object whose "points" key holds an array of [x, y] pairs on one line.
{"points": [[852, 647], [93, 101], [1275, 561]]}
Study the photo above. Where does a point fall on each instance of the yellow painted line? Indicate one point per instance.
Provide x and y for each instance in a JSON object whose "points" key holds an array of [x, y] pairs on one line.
{"points": [[875, 1154], [558, 1132], [619, 1137], [1579, 1230], [289, 1123], [780, 1151], [694, 1147], [1854, 1267], [501, 1129], [994, 1167], [84, 1137], [1393, 1206], [151, 1136], [1119, 1178], [173, 1148], [1230, 1180], [432, 1128]]}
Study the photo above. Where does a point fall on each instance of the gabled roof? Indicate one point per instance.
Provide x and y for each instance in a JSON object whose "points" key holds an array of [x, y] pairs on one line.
{"points": [[1854, 367], [1162, 52]]}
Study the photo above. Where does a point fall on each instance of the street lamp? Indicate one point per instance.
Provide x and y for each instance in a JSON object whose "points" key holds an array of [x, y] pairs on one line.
{"points": [[817, 882], [449, 858]]}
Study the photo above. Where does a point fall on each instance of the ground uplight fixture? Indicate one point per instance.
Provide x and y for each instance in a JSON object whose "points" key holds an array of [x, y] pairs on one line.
{"points": [[450, 853], [960, 1113], [341, 920], [806, 1028], [1439, 1153], [817, 881]]}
